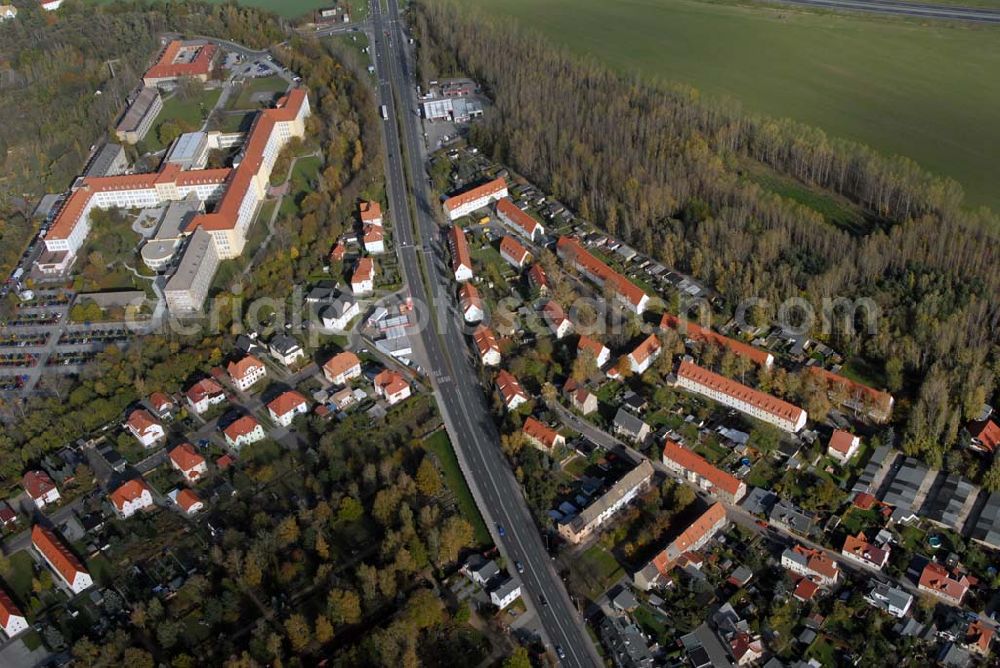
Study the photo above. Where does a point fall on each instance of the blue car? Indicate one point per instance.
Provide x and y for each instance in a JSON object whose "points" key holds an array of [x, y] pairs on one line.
{"points": [[500, 530]]}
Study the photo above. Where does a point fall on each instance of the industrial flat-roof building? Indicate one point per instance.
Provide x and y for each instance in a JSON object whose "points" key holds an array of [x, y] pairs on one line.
{"points": [[109, 161], [187, 288], [189, 151], [139, 117]]}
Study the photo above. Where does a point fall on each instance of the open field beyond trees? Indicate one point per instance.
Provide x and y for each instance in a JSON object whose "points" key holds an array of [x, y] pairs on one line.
{"points": [[918, 90]]}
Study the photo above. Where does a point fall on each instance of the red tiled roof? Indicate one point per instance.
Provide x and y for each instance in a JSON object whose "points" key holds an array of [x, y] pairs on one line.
{"points": [[390, 382], [7, 609], [37, 484], [509, 386], [473, 194], [140, 420], [130, 491], [241, 367], [204, 388], [370, 211], [879, 398], [469, 297], [864, 500], [286, 402], [978, 634], [691, 461], [841, 441], [241, 427], [817, 561], [572, 248], [485, 339], [553, 313], [646, 349], [166, 67], [459, 248], [987, 433], [537, 277], [805, 589], [513, 249], [224, 461], [340, 363], [373, 233], [187, 498], [757, 399], [542, 433], [159, 400], [593, 346], [697, 530], [936, 578], [57, 553], [862, 549], [365, 270], [517, 217], [338, 252], [699, 333], [186, 457]]}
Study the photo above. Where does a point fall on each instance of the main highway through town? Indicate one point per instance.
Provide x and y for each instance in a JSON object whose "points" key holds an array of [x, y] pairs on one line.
{"points": [[446, 353]]}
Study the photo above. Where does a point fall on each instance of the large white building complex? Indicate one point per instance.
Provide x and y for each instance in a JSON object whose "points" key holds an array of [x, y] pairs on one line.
{"points": [[747, 400], [233, 193]]}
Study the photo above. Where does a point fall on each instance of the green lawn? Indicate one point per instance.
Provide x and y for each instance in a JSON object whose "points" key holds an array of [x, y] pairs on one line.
{"points": [[440, 445], [594, 570], [900, 86], [187, 112], [20, 575], [305, 174], [251, 88]]}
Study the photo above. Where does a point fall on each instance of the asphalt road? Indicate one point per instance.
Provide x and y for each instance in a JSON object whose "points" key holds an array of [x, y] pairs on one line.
{"points": [[971, 14], [446, 353]]}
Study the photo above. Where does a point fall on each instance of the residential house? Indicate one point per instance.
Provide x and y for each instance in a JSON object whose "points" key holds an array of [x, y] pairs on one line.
{"points": [[788, 516], [243, 431], [858, 549], [8, 12], [597, 350], [187, 500], [487, 346], [370, 213], [481, 571], [60, 559], [875, 404], [518, 221], [746, 649], [338, 315], [747, 400], [131, 497], [542, 436], [514, 253], [810, 563], [286, 406], [466, 202], [391, 386], [627, 294], [338, 252], [373, 239], [937, 580], [189, 462], [285, 349], [146, 429], [580, 398], [245, 372], [890, 599], [204, 394], [692, 538], [843, 446], [644, 354], [162, 405], [511, 392], [505, 593], [8, 518], [363, 280], [40, 488], [538, 279], [471, 303], [985, 436], [631, 427], [694, 332], [342, 368], [556, 319], [978, 637], [591, 518], [625, 642], [12, 619], [461, 260], [695, 469]]}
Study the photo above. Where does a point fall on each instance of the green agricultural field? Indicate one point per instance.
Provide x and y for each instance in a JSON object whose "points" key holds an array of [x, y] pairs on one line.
{"points": [[917, 89]]}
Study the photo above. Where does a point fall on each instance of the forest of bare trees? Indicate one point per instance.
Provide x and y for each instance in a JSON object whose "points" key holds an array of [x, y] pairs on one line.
{"points": [[658, 166]]}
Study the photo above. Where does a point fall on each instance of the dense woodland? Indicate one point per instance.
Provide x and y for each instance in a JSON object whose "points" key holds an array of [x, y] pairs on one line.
{"points": [[659, 166]]}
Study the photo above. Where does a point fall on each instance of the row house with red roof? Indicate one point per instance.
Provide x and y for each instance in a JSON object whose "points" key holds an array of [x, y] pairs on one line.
{"points": [[628, 294], [519, 222], [471, 303], [60, 559], [481, 196], [696, 470], [542, 436], [286, 406], [486, 346], [511, 392], [12, 620], [513, 253], [40, 488], [189, 462], [728, 392], [244, 431], [246, 372], [391, 386], [461, 259], [204, 394], [695, 536], [695, 332], [146, 429], [813, 564], [875, 404], [131, 497]]}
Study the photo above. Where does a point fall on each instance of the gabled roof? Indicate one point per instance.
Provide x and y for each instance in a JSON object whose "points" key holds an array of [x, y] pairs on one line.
{"points": [[373, 233], [881, 400], [341, 362], [186, 498], [553, 313], [987, 433], [980, 635], [130, 491], [365, 271], [390, 382], [37, 484], [509, 387], [473, 194], [513, 249], [571, 247], [646, 349], [140, 420], [817, 561], [696, 332], [765, 402], [593, 346], [338, 252], [842, 441], [159, 400], [186, 457], [537, 276], [695, 463], [936, 578], [517, 217], [469, 297], [57, 553], [459, 245], [485, 340], [204, 388], [370, 211], [540, 432], [241, 427], [286, 402], [168, 65], [7, 609], [241, 367], [862, 549]]}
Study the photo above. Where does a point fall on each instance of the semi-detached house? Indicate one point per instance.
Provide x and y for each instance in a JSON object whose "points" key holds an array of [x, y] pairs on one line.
{"points": [[461, 260], [511, 392], [131, 497]]}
